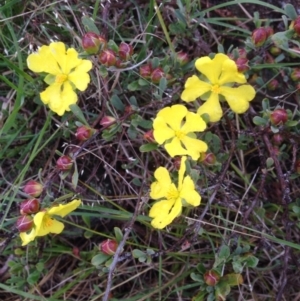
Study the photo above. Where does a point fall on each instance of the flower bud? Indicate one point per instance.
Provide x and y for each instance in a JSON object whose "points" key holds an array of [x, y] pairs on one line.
{"points": [[277, 139], [24, 223], [208, 159], [259, 36], [274, 50], [182, 58], [119, 64], [108, 247], [33, 188], [157, 74], [29, 206], [242, 64], [125, 51], [279, 116], [296, 26], [211, 277], [273, 84], [148, 136], [92, 43], [269, 31], [64, 163], [107, 121], [295, 75], [146, 70], [107, 57], [83, 133], [177, 163]]}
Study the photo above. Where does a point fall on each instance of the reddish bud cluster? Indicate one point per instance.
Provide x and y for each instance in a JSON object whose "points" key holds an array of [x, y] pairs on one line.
{"points": [[154, 75], [296, 26], [108, 247], [83, 133], [182, 58], [64, 163], [260, 35], [295, 75], [33, 188], [29, 206], [279, 116], [92, 43], [273, 84], [107, 121], [24, 223], [211, 277]]}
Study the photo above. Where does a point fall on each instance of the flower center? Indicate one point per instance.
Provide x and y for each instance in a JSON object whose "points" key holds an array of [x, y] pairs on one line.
{"points": [[61, 78], [47, 221], [180, 134], [216, 89], [172, 193]]}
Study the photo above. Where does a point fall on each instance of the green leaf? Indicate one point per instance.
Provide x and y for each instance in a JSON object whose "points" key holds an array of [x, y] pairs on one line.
{"points": [[269, 162], [197, 277], [117, 103], [259, 121], [290, 11], [148, 147], [281, 39], [75, 177], [118, 234], [99, 259], [89, 24], [136, 253], [133, 86], [224, 252], [33, 277], [162, 85], [78, 113]]}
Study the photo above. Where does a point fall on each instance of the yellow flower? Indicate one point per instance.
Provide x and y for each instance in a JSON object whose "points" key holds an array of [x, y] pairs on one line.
{"points": [[221, 73], [45, 224], [165, 211], [179, 135], [66, 72]]}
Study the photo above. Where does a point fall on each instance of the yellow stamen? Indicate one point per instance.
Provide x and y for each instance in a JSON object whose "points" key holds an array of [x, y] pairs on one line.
{"points": [[179, 134], [47, 222], [216, 89], [172, 193], [60, 78]]}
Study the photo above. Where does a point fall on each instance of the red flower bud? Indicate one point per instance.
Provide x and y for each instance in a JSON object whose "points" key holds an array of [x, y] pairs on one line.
{"points": [[146, 70], [279, 116], [211, 277], [295, 75], [107, 57], [277, 139], [269, 31], [33, 188], [296, 26], [119, 64], [83, 133], [242, 64], [64, 163], [242, 53], [29, 206], [107, 121], [24, 223], [259, 36], [148, 136], [92, 43], [157, 74], [208, 159], [177, 163], [273, 84], [125, 51], [182, 58], [108, 247]]}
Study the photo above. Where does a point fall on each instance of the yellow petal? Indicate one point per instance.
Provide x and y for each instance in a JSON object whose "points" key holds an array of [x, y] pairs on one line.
{"points": [[58, 52], [164, 212], [194, 147], [230, 74], [174, 148], [238, 98], [49, 225], [160, 188], [194, 88], [181, 172], [188, 192], [162, 131], [80, 78], [211, 68], [193, 123], [27, 238], [173, 115], [43, 61], [63, 210], [212, 107]]}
